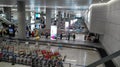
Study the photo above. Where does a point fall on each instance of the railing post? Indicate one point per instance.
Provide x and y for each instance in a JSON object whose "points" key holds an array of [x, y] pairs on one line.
{"points": [[69, 64]]}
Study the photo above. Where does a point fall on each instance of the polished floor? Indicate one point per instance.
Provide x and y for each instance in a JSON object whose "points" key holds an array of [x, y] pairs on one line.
{"points": [[79, 57], [75, 57], [4, 64]]}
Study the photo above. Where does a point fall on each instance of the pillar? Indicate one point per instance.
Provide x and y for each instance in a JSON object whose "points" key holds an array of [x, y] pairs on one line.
{"points": [[65, 15], [48, 18], [59, 19], [68, 18], [28, 17], [21, 19], [7, 11]]}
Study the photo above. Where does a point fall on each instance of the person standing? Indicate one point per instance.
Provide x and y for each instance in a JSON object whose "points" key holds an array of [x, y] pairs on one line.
{"points": [[27, 33], [13, 59], [32, 34], [33, 63], [46, 35], [68, 36], [0, 33], [1, 55], [37, 36], [61, 36], [74, 36]]}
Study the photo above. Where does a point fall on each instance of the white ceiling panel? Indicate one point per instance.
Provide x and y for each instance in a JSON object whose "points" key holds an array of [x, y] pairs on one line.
{"points": [[53, 3]]}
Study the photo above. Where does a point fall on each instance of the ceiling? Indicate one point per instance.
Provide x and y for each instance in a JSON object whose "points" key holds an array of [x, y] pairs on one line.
{"points": [[53, 3], [71, 6]]}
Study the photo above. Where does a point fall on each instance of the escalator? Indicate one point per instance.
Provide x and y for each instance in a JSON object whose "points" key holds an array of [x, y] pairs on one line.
{"points": [[6, 27], [5, 21]]}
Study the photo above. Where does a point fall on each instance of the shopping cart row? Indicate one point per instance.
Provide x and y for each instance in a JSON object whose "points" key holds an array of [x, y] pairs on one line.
{"points": [[31, 60], [47, 58]]}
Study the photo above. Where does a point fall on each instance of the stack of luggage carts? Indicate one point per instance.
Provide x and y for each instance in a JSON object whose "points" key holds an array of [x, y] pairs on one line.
{"points": [[16, 54]]}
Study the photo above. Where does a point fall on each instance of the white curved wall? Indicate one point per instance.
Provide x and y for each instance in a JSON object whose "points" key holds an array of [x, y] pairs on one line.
{"points": [[111, 39], [105, 19], [98, 18]]}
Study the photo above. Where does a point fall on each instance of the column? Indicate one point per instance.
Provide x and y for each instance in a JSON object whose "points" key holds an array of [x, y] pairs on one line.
{"points": [[59, 19], [21, 19], [65, 15], [28, 17], [68, 19], [48, 18], [64, 19], [7, 11]]}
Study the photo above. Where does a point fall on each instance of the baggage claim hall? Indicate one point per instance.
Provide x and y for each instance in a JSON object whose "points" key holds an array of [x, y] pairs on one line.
{"points": [[59, 33]]}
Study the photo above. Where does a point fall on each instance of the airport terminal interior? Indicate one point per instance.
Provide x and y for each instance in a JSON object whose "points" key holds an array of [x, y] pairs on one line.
{"points": [[59, 33]]}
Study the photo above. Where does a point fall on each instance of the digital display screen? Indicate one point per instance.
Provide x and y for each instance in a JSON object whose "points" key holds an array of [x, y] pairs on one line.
{"points": [[37, 26], [66, 26], [53, 32], [10, 30], [37, 15]]}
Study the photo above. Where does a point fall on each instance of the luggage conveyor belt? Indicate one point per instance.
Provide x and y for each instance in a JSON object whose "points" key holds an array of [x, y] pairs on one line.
{"points": [[64, 42]]}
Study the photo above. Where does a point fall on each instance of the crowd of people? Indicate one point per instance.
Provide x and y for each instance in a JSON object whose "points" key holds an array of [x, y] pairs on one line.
{"points": [[7, 32], [68, 36], [37, 34]]}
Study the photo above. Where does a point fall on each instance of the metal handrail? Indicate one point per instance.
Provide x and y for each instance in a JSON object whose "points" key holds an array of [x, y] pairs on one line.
{"points": [[105, 59]]}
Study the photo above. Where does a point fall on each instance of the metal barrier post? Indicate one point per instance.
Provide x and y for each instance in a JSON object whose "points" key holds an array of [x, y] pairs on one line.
{"points": [[69, 64]]}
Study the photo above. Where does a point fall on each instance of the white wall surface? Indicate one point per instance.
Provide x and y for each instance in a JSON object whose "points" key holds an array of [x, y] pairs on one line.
{"points": [[87, 22], [111, 38], [105, 19], [98, 18]]}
